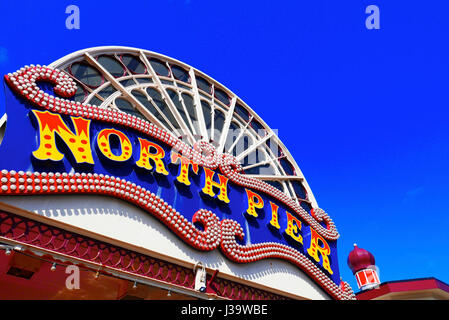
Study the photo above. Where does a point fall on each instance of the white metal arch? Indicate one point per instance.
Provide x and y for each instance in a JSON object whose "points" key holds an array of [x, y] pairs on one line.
{"points": [[189, 120]]}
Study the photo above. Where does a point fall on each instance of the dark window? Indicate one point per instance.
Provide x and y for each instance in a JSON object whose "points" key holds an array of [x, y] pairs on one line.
{"points": [[112, 66], [306, 206], [207, 116], [157, 98], [257, 126], [80, 94], [144, 80], [299, 189], [127, 83], [204, 96], [242, 112], [288, 168], [127, 107], [219, 119], [175, 98], [133, 64], [233, 133], [276, 184], [160, 67], [274, 147], [149, 106], [188, 102], [169, 82], [172, 94], [95, 101], [180, 74], [143, 100], [106, 92], [184, 87], [86, 74], [155, 95], [123, 104], [203, 84], [222, 96]]}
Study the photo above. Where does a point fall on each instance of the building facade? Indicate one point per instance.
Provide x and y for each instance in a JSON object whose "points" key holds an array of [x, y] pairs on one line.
{"points": [[126, 174]]}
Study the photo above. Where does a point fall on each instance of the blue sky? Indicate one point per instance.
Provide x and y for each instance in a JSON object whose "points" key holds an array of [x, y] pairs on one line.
{"points": [[364, 112]]}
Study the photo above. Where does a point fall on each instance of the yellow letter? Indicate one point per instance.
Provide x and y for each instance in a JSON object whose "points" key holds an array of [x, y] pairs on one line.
{"points": [[105, 147], [78, 144], [252, 204], [146, 155], [315, 248], [183, 176], [293, 227], [274, 216], [222, 185]]}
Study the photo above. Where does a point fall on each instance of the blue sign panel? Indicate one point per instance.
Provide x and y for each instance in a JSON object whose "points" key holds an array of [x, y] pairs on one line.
{"points": [[252, 220]]}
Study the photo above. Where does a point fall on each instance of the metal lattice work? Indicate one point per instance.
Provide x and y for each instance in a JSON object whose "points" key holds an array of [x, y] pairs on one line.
{"points": [[188, 103]]}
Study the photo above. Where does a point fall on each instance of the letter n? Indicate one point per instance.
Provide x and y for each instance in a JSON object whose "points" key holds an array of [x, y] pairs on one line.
{"points": [[78, 142]]}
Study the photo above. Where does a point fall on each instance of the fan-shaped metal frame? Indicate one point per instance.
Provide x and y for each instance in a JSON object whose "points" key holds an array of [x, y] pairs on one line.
{"points": [[188, 103]]}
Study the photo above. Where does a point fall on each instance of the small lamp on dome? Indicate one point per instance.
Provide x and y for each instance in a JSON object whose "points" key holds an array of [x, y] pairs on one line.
{"points": [[362, 264]]}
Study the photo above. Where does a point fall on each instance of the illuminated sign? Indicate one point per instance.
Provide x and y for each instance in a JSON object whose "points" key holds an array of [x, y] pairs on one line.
{"points": [[56, 146]]}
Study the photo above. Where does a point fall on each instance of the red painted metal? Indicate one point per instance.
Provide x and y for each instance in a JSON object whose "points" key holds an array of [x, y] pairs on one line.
{"points": [[84, 249], [360, 259], [403, 286]]}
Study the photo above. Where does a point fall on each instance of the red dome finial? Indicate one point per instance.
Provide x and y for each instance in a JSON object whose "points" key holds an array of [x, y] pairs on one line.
{"points": [[362, 264], [359, 259]]}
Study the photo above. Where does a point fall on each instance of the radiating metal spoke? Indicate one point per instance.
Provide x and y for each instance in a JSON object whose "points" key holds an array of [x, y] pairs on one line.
{"points": [[227, 124], [167, 99], [122, 89], [254, 146], [197, 102]]}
